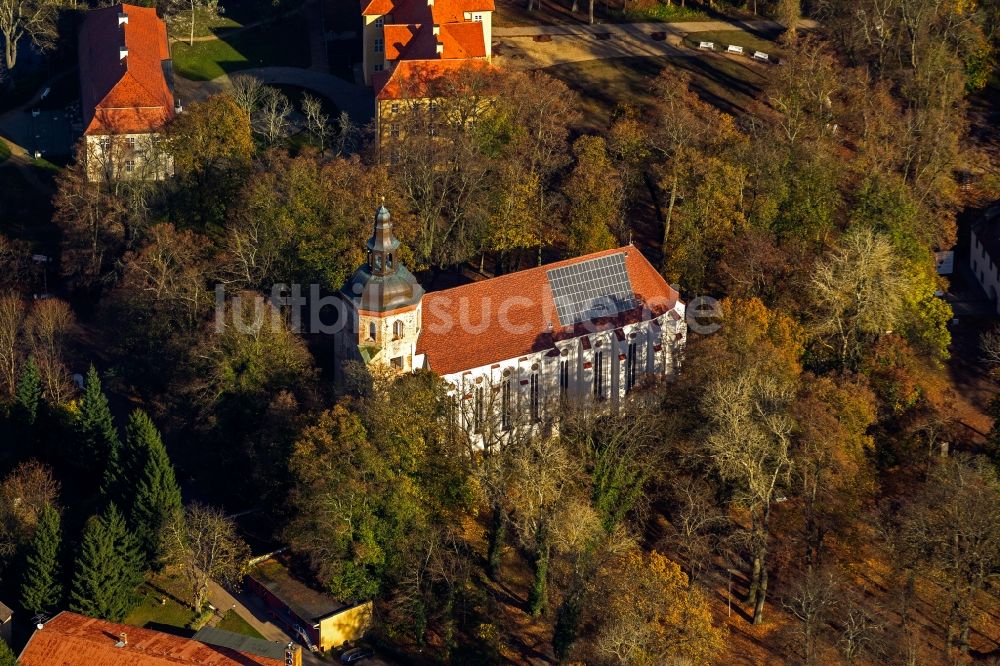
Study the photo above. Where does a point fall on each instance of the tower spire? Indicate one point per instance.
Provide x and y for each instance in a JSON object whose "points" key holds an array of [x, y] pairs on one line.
{"points": [[382, 245]]}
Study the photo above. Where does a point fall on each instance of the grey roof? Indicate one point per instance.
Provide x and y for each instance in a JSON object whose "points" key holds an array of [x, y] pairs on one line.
{"points": [[248, 644], [591, 289], [304, 601], [381, 293]]}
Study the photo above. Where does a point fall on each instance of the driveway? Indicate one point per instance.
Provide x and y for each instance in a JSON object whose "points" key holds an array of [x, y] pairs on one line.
{"points": [[356, 100]]}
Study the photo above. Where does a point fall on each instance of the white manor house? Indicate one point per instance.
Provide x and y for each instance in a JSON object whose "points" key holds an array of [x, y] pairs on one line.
{"points": [[584, 329]]}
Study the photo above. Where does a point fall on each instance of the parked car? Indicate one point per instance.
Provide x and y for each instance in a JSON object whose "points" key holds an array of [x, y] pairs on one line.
{"points": [[354, 655]]}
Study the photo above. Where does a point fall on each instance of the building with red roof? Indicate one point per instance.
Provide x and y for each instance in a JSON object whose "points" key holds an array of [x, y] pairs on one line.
{"points": [[70, 639], [126, 88], [518, 345], [399, 30]]}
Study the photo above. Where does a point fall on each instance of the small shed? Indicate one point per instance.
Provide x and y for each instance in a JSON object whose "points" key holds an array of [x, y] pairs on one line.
{"points": [[6, 622], [317, 619]]}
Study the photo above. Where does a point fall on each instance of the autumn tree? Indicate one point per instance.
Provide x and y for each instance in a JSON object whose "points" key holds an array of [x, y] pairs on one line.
{"points": [[203, 543], [649, 615], [211, 143], [49, 328], [595, 193]]}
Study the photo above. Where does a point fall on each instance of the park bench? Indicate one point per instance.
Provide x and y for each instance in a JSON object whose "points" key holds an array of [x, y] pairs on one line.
{"points": [[735, 49], [760, 55], [707, 45]]}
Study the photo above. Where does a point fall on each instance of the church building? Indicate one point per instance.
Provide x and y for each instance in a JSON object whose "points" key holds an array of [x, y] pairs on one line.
{"points": [[517, 345]]}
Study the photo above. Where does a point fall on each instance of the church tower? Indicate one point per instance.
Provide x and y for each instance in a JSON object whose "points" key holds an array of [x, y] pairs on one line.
{"points": [[383, 305]]}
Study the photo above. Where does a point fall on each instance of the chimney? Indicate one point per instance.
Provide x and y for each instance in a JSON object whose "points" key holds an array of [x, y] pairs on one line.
{"points": [[439, 48], [122, 18], [430, 3], [122, 52], [436, 30], [124, 640]]}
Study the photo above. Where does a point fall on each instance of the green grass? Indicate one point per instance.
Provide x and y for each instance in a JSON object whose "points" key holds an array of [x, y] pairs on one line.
{"points": [[206, 22], [282, 43], [152, 610], [724, 38], [603, 85], [236, 624], [658, 11], [4, 151]]}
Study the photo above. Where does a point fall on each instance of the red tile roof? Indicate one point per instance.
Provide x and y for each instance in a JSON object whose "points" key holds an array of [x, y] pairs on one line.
{"points": [[415, 79], [127, 95], [69, 639], [443, 11], [418, 42], [518, 310]]}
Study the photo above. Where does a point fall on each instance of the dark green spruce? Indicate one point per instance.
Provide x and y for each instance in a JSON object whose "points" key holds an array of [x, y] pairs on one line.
{"points": [[108, 569], [41, 589]]}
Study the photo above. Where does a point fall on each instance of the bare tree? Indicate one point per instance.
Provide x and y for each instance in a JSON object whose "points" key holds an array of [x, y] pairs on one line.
{"points": [[862, 631], [812, 598], [317, 122], [49, 326], [952, 528], [12, 313], [272, 117], [749, 443], [347, 135], [202, 542], [28, 489], [35, 19], [247, 91], [695, 521], [175, 7]]}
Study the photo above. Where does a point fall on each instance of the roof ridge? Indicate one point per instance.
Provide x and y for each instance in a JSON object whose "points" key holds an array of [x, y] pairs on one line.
{"points": [[549, 266]]}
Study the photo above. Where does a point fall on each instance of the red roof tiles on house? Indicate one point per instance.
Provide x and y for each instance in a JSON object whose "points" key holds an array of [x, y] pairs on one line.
{"points": [[443, 10], [506, 317], [69, 639], [418, 42], [414, 79], [126, 95]]}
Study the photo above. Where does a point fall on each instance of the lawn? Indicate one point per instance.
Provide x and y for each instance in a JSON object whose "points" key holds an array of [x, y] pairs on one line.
{"points": [[512, 13], [4, 151], [236, 624], [206, 22], [275, 44], [603, 85], [173, 615], [723, 38]]}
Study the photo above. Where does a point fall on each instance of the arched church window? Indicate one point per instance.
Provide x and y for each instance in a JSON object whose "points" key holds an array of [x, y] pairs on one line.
{"points": [[388, 261], [397, 329], [371, 330], [378, 261]]}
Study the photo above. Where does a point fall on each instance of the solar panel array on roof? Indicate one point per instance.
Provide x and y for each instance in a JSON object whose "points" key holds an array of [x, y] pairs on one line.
{"points": [[591, 289]]}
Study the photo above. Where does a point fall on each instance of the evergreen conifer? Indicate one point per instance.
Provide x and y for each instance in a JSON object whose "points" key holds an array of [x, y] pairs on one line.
{"points": [[41, 589]]}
